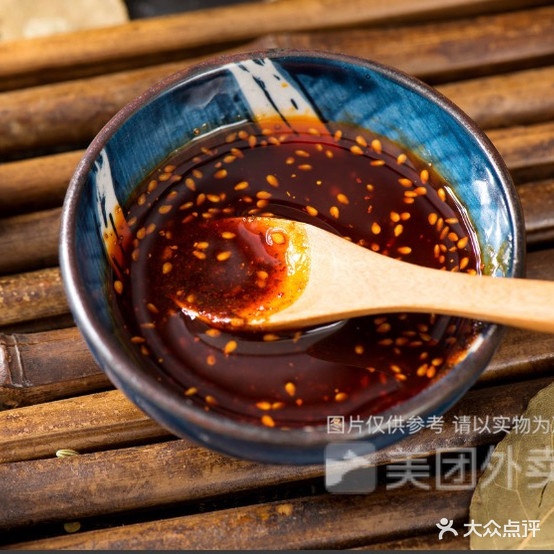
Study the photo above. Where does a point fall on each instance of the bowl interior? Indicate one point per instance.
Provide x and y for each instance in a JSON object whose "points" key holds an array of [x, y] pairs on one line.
{"points": [[210, 97]]}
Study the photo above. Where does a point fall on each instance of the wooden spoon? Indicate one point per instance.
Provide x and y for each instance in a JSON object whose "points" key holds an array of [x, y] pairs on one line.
{"points": [[345, 280]]}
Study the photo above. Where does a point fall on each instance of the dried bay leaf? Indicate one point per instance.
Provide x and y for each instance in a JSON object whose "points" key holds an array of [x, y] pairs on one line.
{"points": [[513, 504]]}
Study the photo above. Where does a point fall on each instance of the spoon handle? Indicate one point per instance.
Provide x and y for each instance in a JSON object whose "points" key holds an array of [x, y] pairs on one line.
{"points": [[516, 302], [356, 282]]}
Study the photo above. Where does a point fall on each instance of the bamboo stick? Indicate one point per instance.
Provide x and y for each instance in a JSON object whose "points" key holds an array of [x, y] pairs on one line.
{"points": [[95, 421], [31, 296], [36, 183], [537, 200], [29, 241], [505, 100], [527, 150], [36, 60], [441, 51], [40, 367]]}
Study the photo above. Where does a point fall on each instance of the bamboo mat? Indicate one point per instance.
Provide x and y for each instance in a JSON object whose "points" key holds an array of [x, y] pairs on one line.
{"points": [[133, 485]]}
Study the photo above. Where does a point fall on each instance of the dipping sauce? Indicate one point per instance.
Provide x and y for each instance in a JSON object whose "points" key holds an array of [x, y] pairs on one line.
{"points": [[182, 253]]}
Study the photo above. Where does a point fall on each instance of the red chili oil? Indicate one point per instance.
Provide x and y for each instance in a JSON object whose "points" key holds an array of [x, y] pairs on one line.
{"points": [[184, 252]]}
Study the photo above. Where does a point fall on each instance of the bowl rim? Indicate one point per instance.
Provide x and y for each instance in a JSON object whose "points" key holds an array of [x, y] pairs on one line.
{"points": [[121, 370]]}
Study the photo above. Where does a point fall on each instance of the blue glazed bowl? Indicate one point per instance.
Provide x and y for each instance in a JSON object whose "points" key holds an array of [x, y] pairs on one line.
{"points": [[222, 93]]}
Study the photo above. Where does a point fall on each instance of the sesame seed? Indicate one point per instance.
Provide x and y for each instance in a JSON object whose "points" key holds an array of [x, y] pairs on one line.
{"points": [[361, 141], [334, 211], [376, 145], [166, 268], [231, 346], [278, 238], [290, 388], [462, 243], [384, 328], [242, 185], [272, 180], [118, 287], [341, 397], [263, 405], [71, 526], [267, 420], [152, 308], [311, 210], [223, 256], [453, 236], [356, 150], [375, 228], [342, 198]]}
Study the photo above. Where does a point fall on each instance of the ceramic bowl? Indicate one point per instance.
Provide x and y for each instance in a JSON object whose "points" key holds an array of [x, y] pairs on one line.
{"points": [[222, 93]]}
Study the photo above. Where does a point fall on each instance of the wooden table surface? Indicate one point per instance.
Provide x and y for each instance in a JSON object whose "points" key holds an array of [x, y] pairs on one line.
{"points": [[132, 485]]}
